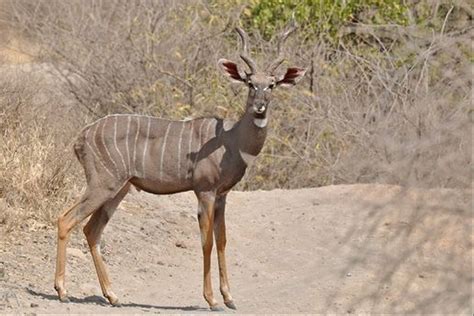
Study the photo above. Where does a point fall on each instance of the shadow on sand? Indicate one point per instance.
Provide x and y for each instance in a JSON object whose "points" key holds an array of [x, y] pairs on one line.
{"points": [[99, 300]]}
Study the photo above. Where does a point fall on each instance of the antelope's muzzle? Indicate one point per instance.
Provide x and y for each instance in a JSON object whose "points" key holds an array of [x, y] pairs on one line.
{"points": [[260, 109]]}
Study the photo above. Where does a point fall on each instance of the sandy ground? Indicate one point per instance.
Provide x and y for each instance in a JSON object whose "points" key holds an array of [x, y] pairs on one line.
{"points": [[336, 249]]}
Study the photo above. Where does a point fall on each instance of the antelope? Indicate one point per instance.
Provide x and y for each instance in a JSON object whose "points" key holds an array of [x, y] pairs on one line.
{"points": [[206, 155]]}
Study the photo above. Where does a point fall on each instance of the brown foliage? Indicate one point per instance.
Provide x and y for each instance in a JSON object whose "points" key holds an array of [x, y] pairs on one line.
{"points": [[395, 110], [37, 172]]}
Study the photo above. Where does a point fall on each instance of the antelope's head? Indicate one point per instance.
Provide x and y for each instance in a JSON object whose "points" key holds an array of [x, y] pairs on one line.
{"points": [[261, 83]]}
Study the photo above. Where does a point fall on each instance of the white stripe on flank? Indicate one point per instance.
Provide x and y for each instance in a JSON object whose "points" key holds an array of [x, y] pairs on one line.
{"points": [[199, 135], [93, 151], [135, 145], [179, 149], [146, 146], [199, 144], [127, 136], [208, 127], [163, 148], [190, 147], [106, 148], [116, 146]]}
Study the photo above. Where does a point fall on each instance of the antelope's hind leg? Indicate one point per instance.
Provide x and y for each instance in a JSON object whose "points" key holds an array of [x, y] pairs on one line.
{"points": [[91, 201], [93, 231]]}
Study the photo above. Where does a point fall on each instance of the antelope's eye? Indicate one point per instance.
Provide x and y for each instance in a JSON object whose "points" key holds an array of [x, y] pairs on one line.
{"points": [[271, 86], [252, 86]]}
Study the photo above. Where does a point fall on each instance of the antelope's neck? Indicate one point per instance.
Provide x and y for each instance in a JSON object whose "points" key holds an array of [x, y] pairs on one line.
{"points": [[252, 132]]}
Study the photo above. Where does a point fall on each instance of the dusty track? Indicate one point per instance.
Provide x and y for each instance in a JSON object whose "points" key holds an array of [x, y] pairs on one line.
{"points": [[337, 249]]}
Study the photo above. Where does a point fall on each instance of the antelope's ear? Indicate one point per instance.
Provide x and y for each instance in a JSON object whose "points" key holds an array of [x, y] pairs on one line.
{"points": [[229, 68], [291, 77]]}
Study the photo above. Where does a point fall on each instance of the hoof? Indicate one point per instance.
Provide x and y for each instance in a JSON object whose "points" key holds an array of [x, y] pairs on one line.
{"points": [[62, 294], [216, 308], [230, 304], [113, 300], [116, 304], [64, 299]]}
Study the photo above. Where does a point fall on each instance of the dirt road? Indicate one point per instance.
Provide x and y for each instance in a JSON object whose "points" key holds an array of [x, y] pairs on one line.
{"points": [[337, 249]]}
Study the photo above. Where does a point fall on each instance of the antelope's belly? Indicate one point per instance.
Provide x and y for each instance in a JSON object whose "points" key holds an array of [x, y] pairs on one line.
{"points": [[161, 187]]}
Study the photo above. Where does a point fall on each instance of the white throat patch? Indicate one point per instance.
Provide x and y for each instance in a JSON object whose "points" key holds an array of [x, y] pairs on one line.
{"points": [[227, 125], [247, 158], [260, 122]]}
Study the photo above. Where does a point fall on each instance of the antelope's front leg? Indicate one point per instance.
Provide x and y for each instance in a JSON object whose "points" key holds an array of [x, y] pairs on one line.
{"points": [[220, 234], [206, 223]]}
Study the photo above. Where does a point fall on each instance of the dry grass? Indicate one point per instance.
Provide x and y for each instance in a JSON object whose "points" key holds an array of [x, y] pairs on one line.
{"points": [[395, 111], [36, 166]]}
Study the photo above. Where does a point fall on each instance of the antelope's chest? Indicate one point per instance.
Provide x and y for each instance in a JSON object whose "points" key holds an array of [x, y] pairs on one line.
{"points": [[232, 170]]}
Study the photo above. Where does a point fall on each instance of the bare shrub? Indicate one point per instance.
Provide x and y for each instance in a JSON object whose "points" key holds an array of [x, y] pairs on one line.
{"points": [[124, 56], [390, 105], [398, 115], [36, 173]]}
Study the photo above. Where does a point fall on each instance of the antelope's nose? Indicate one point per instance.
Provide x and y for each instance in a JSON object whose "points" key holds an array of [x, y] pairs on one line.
{"points": [[260, 108]]}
